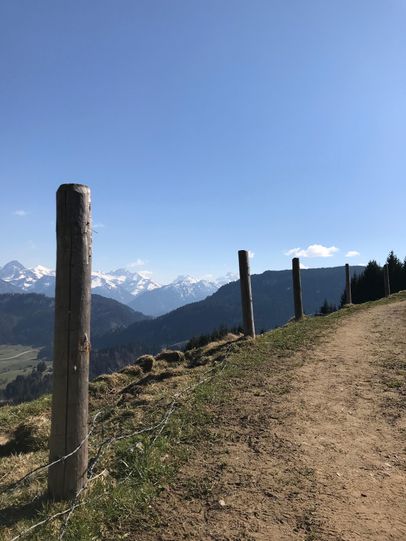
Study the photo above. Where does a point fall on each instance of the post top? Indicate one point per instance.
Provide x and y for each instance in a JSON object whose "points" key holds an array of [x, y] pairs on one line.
{"points": [[73, 188]]}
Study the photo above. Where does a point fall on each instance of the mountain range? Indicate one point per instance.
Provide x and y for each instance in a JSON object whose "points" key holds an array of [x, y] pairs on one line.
{"points": [[133, 288], [184, 290], [27, 319], [273, 306], [5, 287], [119, 334]]}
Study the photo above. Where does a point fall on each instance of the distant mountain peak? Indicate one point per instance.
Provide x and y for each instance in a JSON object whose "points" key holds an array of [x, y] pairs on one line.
{"points": [[123, 285], [14, 263], [123, 272], [185, 278], [183, 290], [40, 271], [227, 278], [12, 266]]}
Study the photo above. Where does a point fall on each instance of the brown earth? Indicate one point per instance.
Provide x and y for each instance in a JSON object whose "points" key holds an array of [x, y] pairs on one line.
{"points": [[324, 459]]}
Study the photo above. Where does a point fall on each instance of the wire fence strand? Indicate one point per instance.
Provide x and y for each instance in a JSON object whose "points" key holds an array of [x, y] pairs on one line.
{"points": [[107, 442]]}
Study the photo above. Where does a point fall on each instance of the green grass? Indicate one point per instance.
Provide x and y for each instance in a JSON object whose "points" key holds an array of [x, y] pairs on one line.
{"points": [[137, 469]]}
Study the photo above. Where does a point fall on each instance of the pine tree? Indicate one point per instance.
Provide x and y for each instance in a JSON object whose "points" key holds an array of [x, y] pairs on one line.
{"points": [[327, 308], [369, 285], [396, 273]]}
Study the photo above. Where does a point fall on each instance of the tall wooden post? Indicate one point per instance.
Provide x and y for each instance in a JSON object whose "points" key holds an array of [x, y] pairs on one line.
{"points": [[297, 289], [69, 423], [386, 280], [348, 295], [246, 294]]}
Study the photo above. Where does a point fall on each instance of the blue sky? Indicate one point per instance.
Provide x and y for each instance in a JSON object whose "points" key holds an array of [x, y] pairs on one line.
{"points": [[204, 127]]}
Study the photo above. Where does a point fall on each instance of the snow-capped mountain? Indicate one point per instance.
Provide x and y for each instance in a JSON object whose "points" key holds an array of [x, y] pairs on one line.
{"points": [[229, 277], [183, 290], [129, 287], [24, 279], [121, 285]]}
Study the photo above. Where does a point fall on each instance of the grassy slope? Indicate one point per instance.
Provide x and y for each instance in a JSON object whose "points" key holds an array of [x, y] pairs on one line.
{"points": [[137, 468]]}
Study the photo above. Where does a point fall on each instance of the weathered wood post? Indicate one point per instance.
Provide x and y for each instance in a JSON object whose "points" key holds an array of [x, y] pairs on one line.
{"points": [[386, 281], [297, 289], [246, 294], [348, 294], [69, 423]]}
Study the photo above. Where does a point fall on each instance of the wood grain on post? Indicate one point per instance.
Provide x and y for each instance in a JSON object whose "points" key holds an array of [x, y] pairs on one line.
{"points": [[386, 281], [246, 294], [297, 289], [69, 424], [348, 294]]}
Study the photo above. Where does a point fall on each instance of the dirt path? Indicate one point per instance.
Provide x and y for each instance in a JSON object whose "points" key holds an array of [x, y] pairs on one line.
{"points": [[16, 356], [324, 461]]}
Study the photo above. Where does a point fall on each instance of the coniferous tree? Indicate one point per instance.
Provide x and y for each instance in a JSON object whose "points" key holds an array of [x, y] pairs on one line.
{"points": [[368, 286], [396, 273], [404, 274], [327, 308]]}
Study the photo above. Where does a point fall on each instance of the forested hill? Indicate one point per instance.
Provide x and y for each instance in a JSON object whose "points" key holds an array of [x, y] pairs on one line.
{"points": [[273, 306], [28, 318]]}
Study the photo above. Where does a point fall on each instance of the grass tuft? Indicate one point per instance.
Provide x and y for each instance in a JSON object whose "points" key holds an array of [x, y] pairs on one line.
{"points": [[135, 470]]}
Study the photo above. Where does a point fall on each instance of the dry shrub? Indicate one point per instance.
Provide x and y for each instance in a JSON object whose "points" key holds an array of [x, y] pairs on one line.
{"points": [[146, 362], [171, 356], [28, 436]]}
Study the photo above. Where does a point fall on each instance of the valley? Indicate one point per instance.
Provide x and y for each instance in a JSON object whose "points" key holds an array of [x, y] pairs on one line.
{"points": [[119, 334], [16, 360]]}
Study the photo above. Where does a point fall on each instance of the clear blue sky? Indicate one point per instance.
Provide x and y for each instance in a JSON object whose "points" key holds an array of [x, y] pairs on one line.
{"points": [[204, 127]]}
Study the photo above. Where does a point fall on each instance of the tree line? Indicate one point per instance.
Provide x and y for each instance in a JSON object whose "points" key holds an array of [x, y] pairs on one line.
{"points": [[204, 339], [369, 285], [31, 386]]}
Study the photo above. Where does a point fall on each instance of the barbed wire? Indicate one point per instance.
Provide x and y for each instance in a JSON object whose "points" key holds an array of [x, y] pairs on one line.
{"points": [[46, 466], [160, 425], [43, 467]]}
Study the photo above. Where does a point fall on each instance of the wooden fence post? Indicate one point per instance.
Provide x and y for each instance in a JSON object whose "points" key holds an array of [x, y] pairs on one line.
{"points": [[297, 289], [386, 280], [69, 425], [348, 294], [246, 294]]}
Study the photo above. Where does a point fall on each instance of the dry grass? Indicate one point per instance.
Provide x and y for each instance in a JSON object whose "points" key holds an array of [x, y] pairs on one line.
{"points": [[127, 400], [136, 470]]}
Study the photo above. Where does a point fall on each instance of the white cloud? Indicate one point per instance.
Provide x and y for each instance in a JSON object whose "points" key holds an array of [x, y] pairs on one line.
{"points": [[98, 226], [303, 266], [251, 254], [352, 253], [314, 250], [137, 263], [20, 212]]}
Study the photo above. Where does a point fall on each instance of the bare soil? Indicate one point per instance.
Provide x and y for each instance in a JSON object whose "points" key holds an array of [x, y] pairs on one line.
{"points": [[321, 457]]}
